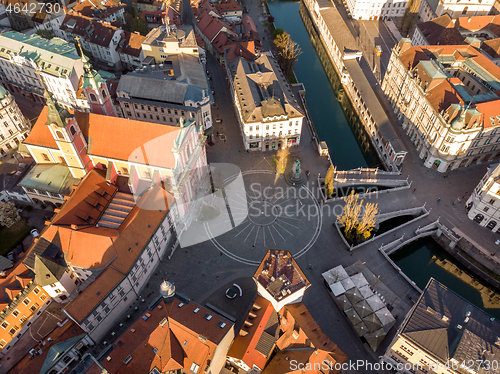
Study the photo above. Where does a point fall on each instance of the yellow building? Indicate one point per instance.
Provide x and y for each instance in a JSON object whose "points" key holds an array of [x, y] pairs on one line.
{"points": [[168, 40], [21, 301], [445, 334]]}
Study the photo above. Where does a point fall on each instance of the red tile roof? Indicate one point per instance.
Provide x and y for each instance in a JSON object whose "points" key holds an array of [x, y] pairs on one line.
{"points": [[115, 138], [60, 334], [492, 47], [240, 49], [474, 24], [279, 267], [104, 9], [228, 6], [169, 337], [130, 44], [96, 32], [12, 283], [489, 109], [441, 31], [243, 347], [300, 330]]}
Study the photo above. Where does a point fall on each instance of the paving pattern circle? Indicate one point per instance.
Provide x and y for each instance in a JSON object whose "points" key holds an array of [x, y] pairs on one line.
{"points": [[268, 215]]}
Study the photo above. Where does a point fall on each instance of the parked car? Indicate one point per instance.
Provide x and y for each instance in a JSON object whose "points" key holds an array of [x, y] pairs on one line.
{"points": [[378, 50], [34, 233], [218, 120]]}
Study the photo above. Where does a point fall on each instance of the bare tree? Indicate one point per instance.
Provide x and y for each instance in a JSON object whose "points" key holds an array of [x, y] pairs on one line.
{"points": [[288, 50], [8, 214], [367, 221], [281, 161], [350, 216], [330, 174]]}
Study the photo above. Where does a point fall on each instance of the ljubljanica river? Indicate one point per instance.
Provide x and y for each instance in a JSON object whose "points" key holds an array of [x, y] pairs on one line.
{"points": [[336, 122], [347, 141], [425, 258]]}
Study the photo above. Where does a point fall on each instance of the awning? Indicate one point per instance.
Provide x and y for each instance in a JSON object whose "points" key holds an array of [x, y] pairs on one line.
{"points": [[337, 288], [344, 302]]}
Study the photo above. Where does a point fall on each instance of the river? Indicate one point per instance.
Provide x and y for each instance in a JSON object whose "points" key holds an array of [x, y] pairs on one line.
{"points": [[347, 151], [336, 122]]}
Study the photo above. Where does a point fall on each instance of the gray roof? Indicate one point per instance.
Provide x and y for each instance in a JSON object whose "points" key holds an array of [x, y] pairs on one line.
{"points": [[373, 104], [57, 350], [182, 34], [4, 263], [179, 79], [337, 26], [48, 271], [448, 326], [55, 178], [43, 247], [262, 89], [269, 336]]}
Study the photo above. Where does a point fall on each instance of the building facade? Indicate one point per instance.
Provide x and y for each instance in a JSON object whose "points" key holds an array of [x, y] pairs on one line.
{"points": [[455, 8], [173, 92], [484, 203], [269, 115], [445, 98], [15, 126], [373, 10], [440, 316], [168, 40], [58, 64]]}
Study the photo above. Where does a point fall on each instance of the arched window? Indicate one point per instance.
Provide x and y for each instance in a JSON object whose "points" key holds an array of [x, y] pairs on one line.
{"points": [[59, 134], [93, 97], [465, 10], [104, 94], [72, 130]]}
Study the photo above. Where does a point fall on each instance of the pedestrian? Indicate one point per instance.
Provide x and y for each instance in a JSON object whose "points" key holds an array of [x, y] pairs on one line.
{"points": [[414, 189], [439, 200], [217, 133]]}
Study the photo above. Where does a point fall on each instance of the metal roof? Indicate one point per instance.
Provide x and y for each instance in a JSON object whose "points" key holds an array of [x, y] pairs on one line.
{"points": [[55, 178]]}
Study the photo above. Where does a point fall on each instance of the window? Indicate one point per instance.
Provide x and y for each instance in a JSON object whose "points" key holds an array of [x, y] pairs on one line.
{"points": [[15, 313], [5, 325], [26, 301], [104, 95], [23, 319], [492, 201], [194, 368], [43, 297], [126, 105], [36, 291], [57, 291], [5, 123], [93, 97], [45, 157], [33, 308], [2, 343]]}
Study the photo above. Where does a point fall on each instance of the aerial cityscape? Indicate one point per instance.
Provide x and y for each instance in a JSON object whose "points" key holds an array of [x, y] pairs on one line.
{"points": [[249, 186]]}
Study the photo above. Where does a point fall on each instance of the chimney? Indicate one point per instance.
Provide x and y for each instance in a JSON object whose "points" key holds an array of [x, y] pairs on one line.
{"points": [[74, 227]]}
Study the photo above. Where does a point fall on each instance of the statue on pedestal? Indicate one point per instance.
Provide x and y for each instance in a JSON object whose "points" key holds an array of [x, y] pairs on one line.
{"points": [[296, 168]]}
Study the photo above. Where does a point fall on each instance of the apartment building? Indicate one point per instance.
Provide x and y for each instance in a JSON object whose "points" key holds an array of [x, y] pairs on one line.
{"points": [[60, 68], [59, 351], [14, 126], [445, 98], [130, 49], [484, 204], [373, 10], [99, 38], [269, 115], [22, 301], [171, 93], [26, 14], [442, 333], [177, 335], [168, 40], [102, 10], [455, 8]]}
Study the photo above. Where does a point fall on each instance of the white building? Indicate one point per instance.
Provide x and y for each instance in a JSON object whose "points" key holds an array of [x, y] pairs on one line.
{"points": [[375, 9], [484, 203], [269, 114], [99, 38], [58, 63], [446, 100], [455, 8], [14, 126], [280, 280], [166, 93]]}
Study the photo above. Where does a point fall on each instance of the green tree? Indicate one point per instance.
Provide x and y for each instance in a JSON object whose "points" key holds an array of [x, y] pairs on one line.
{"points": [[47, 34], [330, 175], [277, 32], [134, 22], [288, 51], [8, 214]]}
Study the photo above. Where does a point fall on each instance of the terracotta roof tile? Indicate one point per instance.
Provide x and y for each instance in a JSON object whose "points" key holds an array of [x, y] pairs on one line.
{"points": [[170, 346], [104, 9], [130, 43], [127, 136], [441, 31], [95, 32]]}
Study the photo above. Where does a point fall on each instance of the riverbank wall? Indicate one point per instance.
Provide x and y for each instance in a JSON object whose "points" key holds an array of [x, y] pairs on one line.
{"points": [[347, 61]]}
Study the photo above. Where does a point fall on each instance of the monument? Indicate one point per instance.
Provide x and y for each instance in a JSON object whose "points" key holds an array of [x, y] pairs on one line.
{"points": [[295, 177]]}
